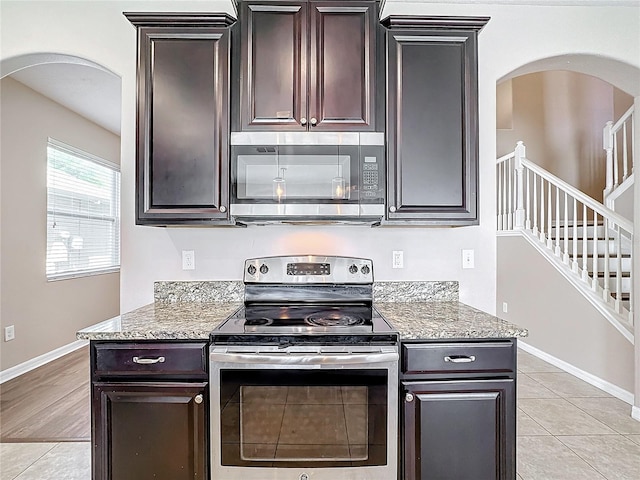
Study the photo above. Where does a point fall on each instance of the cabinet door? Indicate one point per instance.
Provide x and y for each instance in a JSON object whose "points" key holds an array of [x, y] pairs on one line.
{"points": [[432, 127], [342, 93], [459, 430], [149, 431], [183, 117], [274, 79]]}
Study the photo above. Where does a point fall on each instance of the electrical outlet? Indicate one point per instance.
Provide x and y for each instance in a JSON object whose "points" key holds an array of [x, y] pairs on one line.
{"points": [[398, 259], [9, 333], [505, 307], [188, 260], [467, 259]]}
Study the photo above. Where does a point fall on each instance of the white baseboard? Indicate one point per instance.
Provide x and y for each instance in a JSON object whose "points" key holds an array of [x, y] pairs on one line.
{"points": [[635, 412], [610, 388], [36, 362]]}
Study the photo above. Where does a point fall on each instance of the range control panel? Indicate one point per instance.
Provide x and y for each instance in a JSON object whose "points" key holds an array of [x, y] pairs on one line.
{"points": [[308, 269]]}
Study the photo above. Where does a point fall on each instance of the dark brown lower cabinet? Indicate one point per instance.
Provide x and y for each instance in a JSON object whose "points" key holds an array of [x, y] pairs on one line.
{"points": [[149, 431], [458, 410], [457, 430], [149, 410]]}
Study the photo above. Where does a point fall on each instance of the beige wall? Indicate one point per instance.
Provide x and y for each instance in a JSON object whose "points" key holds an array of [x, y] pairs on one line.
{"points": [[46, 315], [559, 115], [560, 320]]}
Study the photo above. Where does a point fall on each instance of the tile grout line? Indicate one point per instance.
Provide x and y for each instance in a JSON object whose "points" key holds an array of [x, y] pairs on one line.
{"points": [[36, 460]]}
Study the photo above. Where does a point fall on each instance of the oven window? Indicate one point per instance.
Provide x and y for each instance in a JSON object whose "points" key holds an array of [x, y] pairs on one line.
{"points": [[296, 418]]}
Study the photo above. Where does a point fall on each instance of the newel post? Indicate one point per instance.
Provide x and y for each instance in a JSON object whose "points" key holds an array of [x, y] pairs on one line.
{"points": [[520, 154], [607, 145]]}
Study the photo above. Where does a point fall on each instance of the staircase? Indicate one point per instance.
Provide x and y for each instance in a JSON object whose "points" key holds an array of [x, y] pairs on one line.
{"points": [[588, 242]]}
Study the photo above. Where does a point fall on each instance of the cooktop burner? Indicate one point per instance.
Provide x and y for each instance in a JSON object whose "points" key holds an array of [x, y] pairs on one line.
{"points": [[333, 319], [307, 319]]}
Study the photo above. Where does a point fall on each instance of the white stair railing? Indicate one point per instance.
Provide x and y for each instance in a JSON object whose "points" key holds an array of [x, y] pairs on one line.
{"points": [[618, 143], [588, 238]]}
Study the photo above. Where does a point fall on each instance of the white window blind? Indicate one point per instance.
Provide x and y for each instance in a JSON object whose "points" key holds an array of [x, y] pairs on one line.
{"points": [[83, 213]]}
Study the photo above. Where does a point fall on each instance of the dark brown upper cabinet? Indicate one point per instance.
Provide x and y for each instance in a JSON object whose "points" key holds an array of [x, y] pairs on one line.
{"points": [[432, 120], [308, 65], [182, 174]]}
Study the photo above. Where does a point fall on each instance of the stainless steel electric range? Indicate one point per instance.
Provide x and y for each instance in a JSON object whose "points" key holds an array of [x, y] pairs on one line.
{"points": [[304, 377]]}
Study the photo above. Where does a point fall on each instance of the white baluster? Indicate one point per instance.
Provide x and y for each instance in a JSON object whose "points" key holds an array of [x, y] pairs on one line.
{"points": [[542, 210], [594, 254], [625, 159], [607, 143], [618, 303], [535, 204], [527, 223], [510, 196], [565, 256], [615, 161], [574, 264], [519, 185], [585, 256], [549, 219], [557, 249], [500, 199], [606, 290]]}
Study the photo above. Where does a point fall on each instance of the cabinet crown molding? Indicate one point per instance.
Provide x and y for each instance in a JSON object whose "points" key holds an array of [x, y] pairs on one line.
{"points": [[435, 22], [181, 19]]}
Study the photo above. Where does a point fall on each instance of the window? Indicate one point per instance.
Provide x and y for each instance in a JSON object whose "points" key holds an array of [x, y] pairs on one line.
{"points": [[83, 213]]}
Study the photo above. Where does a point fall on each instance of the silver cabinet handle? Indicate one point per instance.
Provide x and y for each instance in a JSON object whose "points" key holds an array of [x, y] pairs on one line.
{"points": [[392, 209], [223, 208], [408, 397], [148, 361], [460, 358], [314, 121], [198, 399], [303, 121]]}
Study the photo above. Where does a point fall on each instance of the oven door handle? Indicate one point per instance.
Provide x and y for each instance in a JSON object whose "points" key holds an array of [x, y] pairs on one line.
{"points": [[301, 359]]}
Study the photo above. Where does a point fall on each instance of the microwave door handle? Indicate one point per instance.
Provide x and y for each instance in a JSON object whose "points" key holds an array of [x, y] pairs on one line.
{"points": [[304, 359]]}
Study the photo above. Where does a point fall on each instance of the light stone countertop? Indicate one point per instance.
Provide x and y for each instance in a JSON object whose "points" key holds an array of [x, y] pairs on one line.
{"points": [[442, 320], [163, 321], [195, 320]]}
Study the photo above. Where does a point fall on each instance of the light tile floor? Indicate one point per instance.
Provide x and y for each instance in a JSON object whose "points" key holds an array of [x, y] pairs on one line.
{"points": [[567, 430]]}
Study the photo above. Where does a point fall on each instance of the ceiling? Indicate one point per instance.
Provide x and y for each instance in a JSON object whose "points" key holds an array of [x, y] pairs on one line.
{"points": [[90, 92]]}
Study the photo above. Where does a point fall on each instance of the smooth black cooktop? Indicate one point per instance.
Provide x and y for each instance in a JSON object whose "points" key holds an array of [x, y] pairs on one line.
{"points": [[305, 323]]}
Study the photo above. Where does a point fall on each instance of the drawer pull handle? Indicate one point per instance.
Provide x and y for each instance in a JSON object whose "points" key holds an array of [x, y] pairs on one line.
{"points": [[147, 361], [460, 358]]}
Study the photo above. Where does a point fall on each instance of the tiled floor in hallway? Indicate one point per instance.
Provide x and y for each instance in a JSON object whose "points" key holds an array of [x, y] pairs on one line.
{"points": [[567, 430], [570, 430]]}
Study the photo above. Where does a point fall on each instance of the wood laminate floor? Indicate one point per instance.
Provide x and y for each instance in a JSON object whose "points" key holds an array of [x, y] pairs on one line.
{"points": [[49, 404]]}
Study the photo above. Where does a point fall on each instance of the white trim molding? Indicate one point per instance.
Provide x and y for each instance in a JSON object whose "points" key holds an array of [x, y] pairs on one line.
{"points": [[635, 413], [22, 368], [591, 379]]}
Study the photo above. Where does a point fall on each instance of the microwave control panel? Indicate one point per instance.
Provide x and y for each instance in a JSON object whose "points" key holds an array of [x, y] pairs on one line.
{"points": [[372, 168]]}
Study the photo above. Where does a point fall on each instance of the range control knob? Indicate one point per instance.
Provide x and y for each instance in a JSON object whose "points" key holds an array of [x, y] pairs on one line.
{"points": [[263, 269], [251, 270], [353, 269], [365, 269]]}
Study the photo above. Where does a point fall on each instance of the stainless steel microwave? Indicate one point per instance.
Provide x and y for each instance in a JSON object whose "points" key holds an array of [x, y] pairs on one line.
{"points": [[307, 177]]}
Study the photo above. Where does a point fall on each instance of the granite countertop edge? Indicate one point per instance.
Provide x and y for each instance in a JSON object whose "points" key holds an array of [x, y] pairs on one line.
{"points": [[195, 320]]}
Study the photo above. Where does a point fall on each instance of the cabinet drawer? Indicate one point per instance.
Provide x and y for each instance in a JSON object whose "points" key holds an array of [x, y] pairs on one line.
{"points": [[458, 357], [153, 359]]}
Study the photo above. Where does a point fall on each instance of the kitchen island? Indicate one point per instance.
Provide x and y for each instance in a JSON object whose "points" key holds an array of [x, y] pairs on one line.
{"points": [[150, 380]]}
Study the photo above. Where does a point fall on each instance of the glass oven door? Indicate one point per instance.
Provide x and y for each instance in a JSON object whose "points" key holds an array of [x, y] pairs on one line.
{"points": [[305, 413]]}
